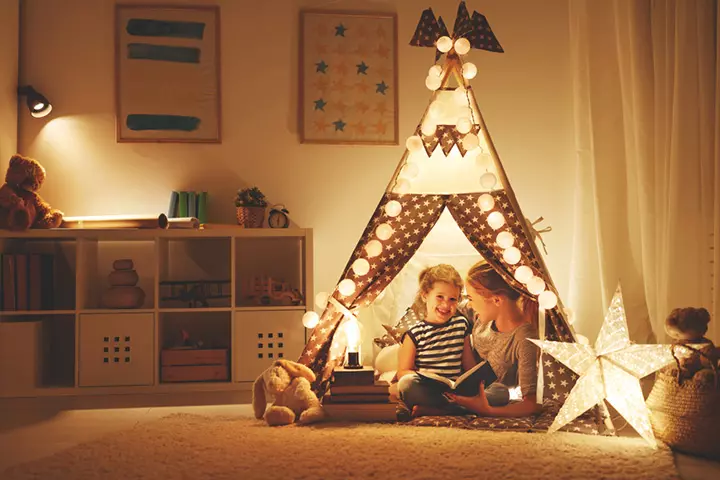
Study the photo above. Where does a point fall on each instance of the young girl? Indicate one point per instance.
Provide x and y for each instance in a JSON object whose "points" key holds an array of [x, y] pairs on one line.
{"points": [[505, 320], [439, 344]]}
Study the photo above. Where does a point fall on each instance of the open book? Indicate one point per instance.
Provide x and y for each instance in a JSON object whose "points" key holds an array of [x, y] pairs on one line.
{"points": [[467, 384]]}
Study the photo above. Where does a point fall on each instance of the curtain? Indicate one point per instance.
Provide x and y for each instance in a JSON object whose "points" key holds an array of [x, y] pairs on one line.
{"points": [[645, 84]]}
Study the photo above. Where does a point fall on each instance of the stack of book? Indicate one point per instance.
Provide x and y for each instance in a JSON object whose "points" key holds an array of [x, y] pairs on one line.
{"points": [[26, 281], [355, 395], [188, 204]]}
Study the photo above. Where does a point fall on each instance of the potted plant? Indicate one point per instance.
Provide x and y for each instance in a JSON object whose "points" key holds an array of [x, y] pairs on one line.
{"points": [[250, 204]]}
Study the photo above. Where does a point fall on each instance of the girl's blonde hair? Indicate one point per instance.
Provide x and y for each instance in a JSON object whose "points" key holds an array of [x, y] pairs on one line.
{"points": [[483, 278], [427, 278]]}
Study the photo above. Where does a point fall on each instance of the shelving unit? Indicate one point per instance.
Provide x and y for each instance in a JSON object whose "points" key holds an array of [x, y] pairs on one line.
{"points": [[80, 347]]}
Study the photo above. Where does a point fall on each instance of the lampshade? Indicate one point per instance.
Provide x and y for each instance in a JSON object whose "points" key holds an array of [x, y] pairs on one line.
{"points": [[37, 103]]}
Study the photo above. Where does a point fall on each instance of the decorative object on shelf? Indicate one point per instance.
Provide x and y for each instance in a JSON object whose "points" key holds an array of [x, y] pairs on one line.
{"points": [[123, 292], [250, 204], [116, 221], [20, 205], [181, 45], [268, 291], [184, 205], [196, 293], [348, 77], [288, 384], [278, 217]]}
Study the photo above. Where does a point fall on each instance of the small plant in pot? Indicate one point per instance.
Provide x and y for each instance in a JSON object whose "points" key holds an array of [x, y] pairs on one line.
{"points": [[250, 204]]}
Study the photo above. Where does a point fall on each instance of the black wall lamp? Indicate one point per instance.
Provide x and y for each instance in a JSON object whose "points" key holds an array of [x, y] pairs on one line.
{"points": [[37, 103]]}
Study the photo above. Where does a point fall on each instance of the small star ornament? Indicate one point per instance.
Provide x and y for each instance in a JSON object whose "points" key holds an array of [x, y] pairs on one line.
{"points": [[611, 370]]}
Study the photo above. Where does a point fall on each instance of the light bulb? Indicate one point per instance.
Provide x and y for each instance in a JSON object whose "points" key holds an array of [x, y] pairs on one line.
{"points": [[361, 267], [511, 255], [411, 170], [523, 274], [486, 202], [444, 44], [321, 300], [547, 300], [346, 287], [469, 70], [432, 82], [436, 110], [488, 180], [435, 71], [393, 208], [402, 186], [373, 248], [470, 141], [310, 319], [463, 125], [536, 285], [582, 339], [496, 220], [505, 239], [484, 160], [462, 46], [414, 143], [384, 231], [428, 128], [460, 96]]}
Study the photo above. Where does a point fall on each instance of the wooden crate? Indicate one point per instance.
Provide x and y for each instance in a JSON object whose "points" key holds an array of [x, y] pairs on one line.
{"points": [[194, 373], [194, 365], [194, 356]]}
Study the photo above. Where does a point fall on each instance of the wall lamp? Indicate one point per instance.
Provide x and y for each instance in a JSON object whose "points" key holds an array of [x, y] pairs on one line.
{"points": [[38, 105]]}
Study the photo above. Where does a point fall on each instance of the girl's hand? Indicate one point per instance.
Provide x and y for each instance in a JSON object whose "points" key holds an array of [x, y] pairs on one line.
{"points": [[477, 404]]}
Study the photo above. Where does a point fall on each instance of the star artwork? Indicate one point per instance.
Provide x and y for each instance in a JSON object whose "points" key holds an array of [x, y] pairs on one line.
{"points": [[349, 80], [611, 370]]}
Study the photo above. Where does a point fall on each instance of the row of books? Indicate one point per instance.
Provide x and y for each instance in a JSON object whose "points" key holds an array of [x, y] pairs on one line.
{"points": [[356, 395], [27, 281], [188, 204]]}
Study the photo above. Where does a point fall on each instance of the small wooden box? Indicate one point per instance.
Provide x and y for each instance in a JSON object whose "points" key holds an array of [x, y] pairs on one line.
{"points": [[194, 365], [194, 373], [194, 356]]}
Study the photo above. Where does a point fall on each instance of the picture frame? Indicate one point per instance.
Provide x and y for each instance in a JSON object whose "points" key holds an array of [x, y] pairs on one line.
{"points": [[348, 77], [155, 43]]}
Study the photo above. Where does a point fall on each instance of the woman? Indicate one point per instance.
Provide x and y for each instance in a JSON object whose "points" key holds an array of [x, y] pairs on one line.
{"points": [[504, 322]]}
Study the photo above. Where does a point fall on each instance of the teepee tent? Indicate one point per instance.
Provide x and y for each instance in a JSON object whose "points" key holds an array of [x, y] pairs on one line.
{"points": [[450, 167]]}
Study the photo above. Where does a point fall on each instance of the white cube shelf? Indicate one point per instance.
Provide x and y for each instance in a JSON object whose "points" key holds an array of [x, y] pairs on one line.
{"points": [[261, 337], [116, 349]]}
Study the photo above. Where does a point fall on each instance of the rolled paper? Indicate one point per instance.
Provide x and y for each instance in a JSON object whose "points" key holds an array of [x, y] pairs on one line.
{"points": [[116, 221], [184, 222]]}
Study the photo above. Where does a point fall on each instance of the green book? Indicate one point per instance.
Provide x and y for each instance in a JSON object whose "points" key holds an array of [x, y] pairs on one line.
{"points": [[202, 207], [183, 205]]}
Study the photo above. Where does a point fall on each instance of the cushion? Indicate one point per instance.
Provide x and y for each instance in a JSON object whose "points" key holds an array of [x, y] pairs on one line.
{"points": [[387, 359], [384, 341]]}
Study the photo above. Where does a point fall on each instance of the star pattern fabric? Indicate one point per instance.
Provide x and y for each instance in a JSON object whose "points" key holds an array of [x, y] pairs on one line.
{"points": [[447, 136]]}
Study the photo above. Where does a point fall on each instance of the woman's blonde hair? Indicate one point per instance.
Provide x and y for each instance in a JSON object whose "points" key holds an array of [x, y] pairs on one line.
{"points": [[427, 279], [483, 278]]}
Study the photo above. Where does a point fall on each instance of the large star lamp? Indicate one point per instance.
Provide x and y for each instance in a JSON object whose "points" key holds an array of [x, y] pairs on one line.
{"points": [[609, 371]]}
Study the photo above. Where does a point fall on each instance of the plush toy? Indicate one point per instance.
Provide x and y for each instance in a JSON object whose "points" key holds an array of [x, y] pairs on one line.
{"points": [[20, 205], [288, 383], [688, 326]]}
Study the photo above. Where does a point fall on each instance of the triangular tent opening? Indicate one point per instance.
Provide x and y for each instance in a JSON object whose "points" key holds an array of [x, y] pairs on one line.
{"points": [[450, 164]]}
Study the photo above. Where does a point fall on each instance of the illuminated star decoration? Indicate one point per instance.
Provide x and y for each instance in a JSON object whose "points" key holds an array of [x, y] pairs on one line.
{"points": [[339, 125], [321, 66], [320, 104], [610, 371], [381, 87], [362, 68], [340, 30]]}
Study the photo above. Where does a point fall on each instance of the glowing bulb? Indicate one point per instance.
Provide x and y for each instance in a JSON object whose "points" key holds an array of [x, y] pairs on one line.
{"points": [[547, 300], [470, 141], [361, 267], [310, 319], [393, 208], [496, 220], [373, 248], [462, 46], [384, 231], [414, 143], [582, 339], [436, 110], [464, 125], [469, 70], [511, 255], [321, 300], [435, 71], [346, 287], [488, 180], [505, 239], [444, 44], [460, 96], [432, 82], [428, 128], [484, 160], [486, 202], [536, 285], [523, 274], [411, 170], [402, 186]]}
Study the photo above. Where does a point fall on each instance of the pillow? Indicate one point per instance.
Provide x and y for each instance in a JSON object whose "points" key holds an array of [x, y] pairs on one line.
{"points": [[384, 341], [387, 359]]}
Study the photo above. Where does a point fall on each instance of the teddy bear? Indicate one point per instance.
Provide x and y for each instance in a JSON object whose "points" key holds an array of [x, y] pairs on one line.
{"points": [[20, 205], [288, 383], [687, 326]]}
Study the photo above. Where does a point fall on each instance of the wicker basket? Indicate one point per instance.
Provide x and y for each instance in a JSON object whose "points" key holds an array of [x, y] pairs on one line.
{"points": [[686, 414], [250, 217]]}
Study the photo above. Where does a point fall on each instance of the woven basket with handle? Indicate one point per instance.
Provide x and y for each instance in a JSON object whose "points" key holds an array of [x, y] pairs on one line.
{"points": [[685, 414], [250, 217]]}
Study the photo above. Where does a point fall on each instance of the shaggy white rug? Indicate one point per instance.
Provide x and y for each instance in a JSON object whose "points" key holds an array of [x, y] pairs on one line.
{"points": [[191, 446]]}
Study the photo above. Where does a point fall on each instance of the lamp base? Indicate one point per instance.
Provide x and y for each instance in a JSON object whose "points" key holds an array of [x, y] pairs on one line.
{"points": [[353, 361]]}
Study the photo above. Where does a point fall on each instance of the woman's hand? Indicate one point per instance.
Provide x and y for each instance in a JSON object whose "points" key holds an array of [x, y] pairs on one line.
{"points": [[477, 404]]}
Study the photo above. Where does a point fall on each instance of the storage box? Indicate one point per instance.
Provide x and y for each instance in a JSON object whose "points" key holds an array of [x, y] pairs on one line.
{"points": [[20, 357], [194, 365]]}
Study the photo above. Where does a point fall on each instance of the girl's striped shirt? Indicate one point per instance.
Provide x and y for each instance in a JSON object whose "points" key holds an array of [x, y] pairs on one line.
{"points": [[439, 347]]}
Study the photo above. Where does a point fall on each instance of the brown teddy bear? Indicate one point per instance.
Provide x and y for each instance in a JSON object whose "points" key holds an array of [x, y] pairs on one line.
{"points": [[20, 205], [687, 326], [288, 383]]}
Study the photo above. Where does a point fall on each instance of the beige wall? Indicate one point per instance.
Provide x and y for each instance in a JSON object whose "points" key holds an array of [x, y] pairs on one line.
{"points": [[8, 79], [525, 96]]}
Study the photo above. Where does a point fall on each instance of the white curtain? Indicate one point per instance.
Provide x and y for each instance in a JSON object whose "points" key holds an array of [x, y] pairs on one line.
{"points": [[645, 79]]}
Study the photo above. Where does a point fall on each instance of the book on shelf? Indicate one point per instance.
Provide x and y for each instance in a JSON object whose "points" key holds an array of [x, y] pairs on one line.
{"points": [[348, 376], [8, 282], [26, 281], [188, 204], [467, 384]]}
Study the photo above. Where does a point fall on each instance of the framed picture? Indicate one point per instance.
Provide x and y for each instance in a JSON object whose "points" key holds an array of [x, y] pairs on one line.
{"points": [[167, 73], [348, 78]]}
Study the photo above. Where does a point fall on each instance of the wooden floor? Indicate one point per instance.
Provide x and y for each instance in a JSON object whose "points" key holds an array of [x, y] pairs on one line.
{"points": [[32, 428]]}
